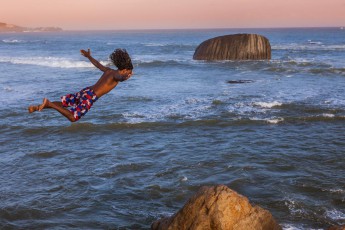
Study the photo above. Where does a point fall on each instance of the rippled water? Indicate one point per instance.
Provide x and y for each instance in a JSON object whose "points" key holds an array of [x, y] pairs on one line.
{"points": [[176, 125]]}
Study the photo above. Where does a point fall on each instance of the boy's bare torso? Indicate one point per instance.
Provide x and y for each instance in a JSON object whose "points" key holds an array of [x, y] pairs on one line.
{"points": [[105, 83]]}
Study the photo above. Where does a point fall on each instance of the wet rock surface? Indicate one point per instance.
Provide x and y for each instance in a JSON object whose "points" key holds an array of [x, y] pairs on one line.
{"points": [[218, 207]]}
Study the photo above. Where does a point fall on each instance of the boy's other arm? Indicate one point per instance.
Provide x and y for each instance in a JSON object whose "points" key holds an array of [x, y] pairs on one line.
{"points": [[93, 61]]}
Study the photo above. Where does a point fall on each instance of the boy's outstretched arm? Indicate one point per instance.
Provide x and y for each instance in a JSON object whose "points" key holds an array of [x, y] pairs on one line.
{"points": [[93, 61]]}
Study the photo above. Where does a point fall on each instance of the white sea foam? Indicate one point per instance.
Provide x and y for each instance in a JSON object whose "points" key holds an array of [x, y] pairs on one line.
{"points": [[294, 227], [55, 62], [335, 102], [340, 191], [268, 120], [8, 89], [139, 117], [290, 227], [328, 115], [189, 108], [275, 121], [19, 41], [184, 178], [154, 44], [336, 47], [308, 46], [314, 42], [12, 41], [335, 215], [267, 105]]}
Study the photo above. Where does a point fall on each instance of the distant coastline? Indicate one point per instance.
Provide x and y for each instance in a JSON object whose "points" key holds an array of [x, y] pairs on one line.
{"points": [[5, 28], [11, 28]]}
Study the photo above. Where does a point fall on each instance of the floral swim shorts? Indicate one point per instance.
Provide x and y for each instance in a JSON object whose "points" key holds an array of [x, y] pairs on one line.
{"points": [[80, 101]]}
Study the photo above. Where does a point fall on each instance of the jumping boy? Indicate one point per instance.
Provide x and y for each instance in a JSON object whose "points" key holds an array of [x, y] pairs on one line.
{"points": [[82, 101]]}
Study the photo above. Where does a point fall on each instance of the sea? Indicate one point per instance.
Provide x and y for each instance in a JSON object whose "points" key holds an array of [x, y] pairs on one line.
{"points": [[273, 131]]}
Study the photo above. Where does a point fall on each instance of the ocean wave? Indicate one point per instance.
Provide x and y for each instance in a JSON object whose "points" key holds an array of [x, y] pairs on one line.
{"points": [[272, 120], [138, 99], [15, 41], [314, 42], [336, 102], [54, 62], [170, 47], [268, 105], [323, 117], [335, 215], [12, 41], [297, 66], [159, 63], [310, 45], [158, 44], [190, 108], [21, 212], [161, 60], [155, 44], [8, 89], [91, 128], [292, 227], [120, 125], [141, 122], [337, 191], [329, 115], [295, 207], [161, 56], [288, 66], [45, 154]]}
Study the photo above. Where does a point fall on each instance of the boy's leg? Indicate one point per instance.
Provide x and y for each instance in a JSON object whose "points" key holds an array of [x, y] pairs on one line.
{"points": [[58, 107], [34, 108]]}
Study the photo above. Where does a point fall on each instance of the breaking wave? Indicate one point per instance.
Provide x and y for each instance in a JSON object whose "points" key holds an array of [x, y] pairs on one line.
{"points": [[11, 41], [268, 104], [309, 45], [54, 62]]}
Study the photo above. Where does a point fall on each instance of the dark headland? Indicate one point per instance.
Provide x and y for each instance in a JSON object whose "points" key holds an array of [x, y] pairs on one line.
{"points": [[4, 27]]}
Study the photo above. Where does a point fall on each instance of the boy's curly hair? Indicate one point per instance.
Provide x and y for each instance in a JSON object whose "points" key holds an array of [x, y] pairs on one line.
{"points": [[121, 59]]}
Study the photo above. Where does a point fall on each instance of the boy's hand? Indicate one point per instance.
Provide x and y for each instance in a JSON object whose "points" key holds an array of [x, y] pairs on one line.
{"points": [[86, 53]]}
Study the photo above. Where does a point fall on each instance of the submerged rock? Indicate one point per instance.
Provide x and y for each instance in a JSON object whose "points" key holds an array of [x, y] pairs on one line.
{"points": [[234, 47], [240, 81], [220, 208]]}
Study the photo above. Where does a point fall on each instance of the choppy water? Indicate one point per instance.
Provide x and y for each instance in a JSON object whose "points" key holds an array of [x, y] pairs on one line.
{"points": [[175, 126]]}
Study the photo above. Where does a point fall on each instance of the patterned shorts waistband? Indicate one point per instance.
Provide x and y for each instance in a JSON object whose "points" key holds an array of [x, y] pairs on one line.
{"points": [[91, 93]]}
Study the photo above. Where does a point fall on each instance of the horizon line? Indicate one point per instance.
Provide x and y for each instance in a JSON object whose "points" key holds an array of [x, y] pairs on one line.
{"points": [[214, 28]]}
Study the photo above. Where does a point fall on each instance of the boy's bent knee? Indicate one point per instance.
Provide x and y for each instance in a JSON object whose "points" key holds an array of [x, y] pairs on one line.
{"points": [[72, 119]]}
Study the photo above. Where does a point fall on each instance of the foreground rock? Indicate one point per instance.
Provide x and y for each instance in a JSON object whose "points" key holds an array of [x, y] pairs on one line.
{"points": [[234, 47], [342, 227], [218, 208]]}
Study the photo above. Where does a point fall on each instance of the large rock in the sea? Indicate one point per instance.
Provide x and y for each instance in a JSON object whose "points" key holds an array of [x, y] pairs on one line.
{"points": [[219, 208], [234, 47]]}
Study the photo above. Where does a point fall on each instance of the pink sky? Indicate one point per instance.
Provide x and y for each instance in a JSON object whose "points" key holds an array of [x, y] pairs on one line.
{"points": [[172, 14]]}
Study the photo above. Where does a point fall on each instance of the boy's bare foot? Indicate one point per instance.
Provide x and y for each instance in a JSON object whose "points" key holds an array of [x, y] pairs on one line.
{"points": [[33, 108], [44, 104]]}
